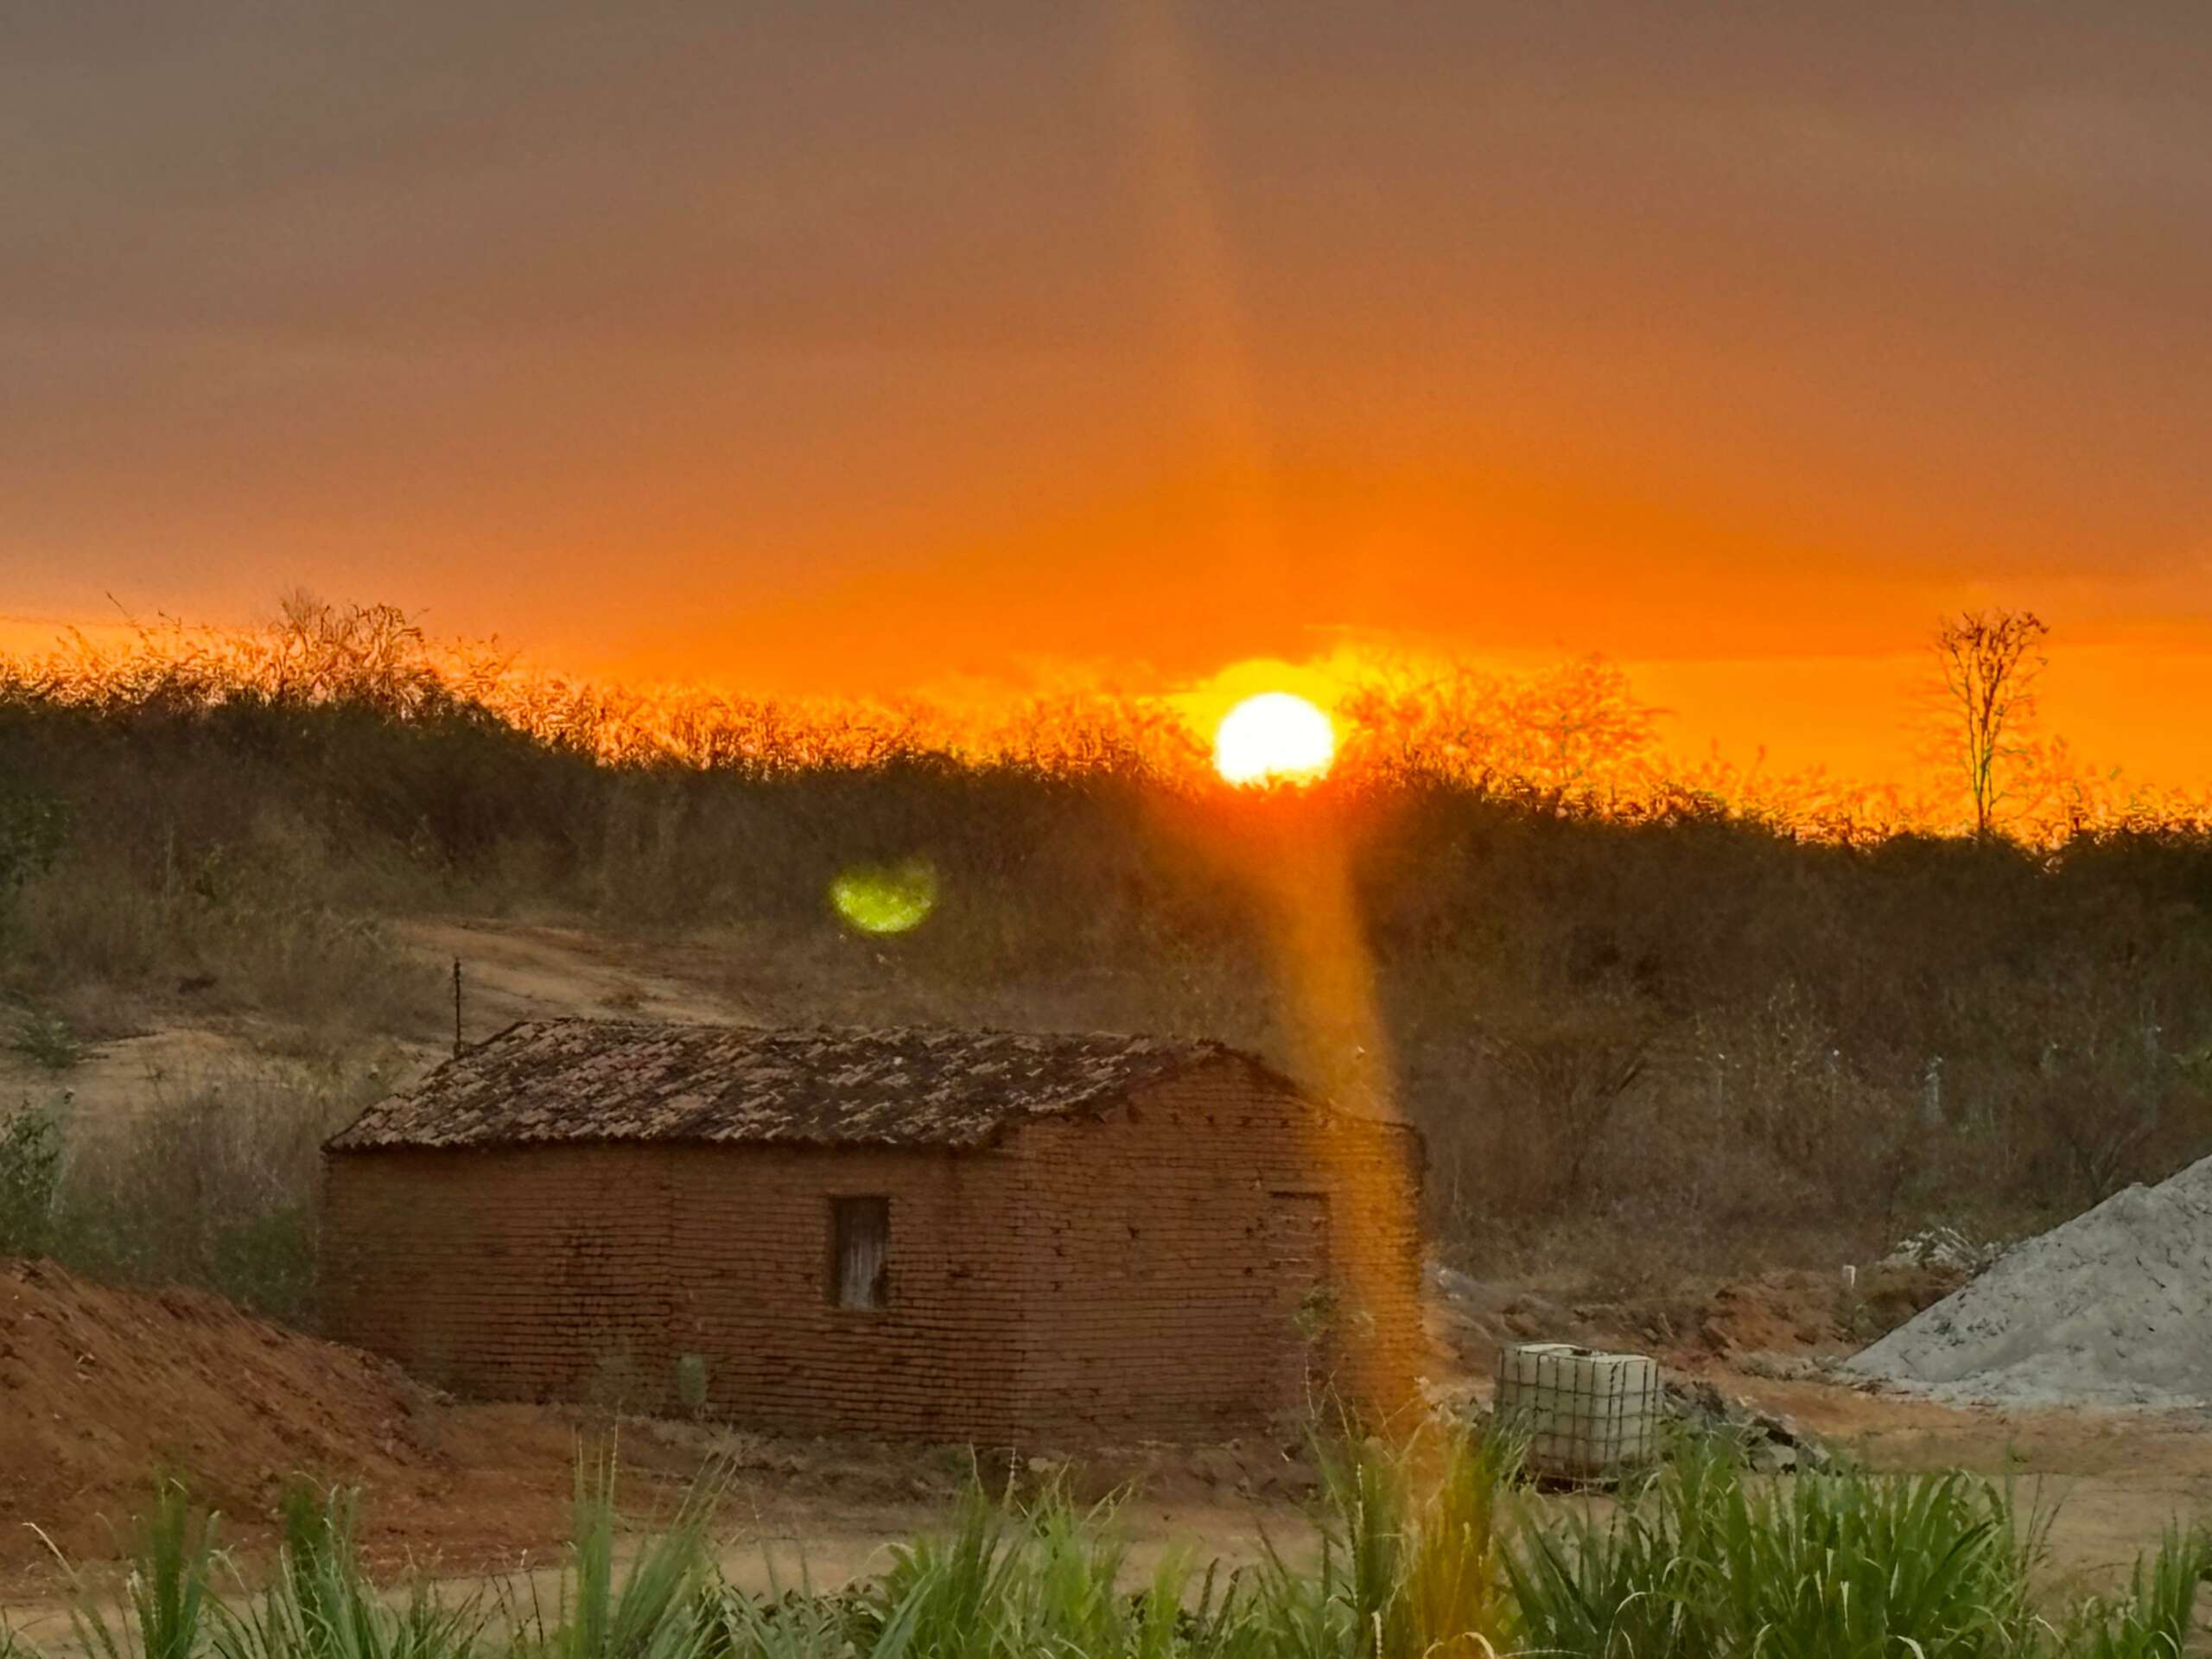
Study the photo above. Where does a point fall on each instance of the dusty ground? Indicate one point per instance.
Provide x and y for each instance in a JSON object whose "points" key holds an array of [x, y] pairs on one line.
{"points": [[511, 970], [516, 970], [103, 1392], [100, 1390], [106, 1392]]}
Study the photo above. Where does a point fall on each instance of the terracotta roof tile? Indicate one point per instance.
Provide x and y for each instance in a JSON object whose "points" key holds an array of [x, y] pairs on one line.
{"points": [[565, 1080]]}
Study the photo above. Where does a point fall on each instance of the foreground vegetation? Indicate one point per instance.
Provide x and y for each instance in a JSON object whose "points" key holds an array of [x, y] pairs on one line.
{"points": [[1664, 1017], [1427, 1552]]}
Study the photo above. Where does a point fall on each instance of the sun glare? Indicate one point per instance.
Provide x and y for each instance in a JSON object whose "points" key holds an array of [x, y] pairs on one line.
{"points": [[897, 899], [1276, 737]]}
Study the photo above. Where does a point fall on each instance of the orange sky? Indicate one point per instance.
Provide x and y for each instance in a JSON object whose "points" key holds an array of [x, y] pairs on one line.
{"points": [[819, 347]]}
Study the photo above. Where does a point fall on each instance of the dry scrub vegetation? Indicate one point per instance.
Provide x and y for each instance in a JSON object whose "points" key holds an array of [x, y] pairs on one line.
{"points": [[210, 1183], [1667, 1017]]}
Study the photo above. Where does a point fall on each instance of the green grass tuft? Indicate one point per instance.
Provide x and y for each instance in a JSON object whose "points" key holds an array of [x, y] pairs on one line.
{"points": [[45, 1039]]}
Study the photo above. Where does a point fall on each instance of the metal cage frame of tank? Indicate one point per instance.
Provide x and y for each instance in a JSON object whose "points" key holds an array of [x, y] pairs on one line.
{"points": [[1587, 1415]]}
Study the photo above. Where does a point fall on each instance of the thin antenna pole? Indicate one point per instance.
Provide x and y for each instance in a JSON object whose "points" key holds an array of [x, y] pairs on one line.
{"points": [[456, 1007]]}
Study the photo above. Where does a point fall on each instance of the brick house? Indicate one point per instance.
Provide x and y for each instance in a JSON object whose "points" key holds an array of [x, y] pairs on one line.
{"points": [[951, 1235]]}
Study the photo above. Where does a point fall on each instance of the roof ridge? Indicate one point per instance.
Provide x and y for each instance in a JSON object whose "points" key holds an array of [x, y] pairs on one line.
{"points": [[859, 1029]]}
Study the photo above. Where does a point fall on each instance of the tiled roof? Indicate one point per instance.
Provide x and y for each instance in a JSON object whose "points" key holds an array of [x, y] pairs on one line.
{"points": [[574, 1080]]}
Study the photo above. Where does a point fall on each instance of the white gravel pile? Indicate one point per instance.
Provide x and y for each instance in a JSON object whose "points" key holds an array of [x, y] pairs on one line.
{"points": [[2113, 1308]]}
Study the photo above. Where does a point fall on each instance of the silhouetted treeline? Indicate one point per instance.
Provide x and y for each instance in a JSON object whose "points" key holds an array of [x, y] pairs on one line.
{"points": [[1686, 1033]]}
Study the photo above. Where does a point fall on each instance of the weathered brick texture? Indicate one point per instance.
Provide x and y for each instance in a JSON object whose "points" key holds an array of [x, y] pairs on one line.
{"points": [[1182, 1265]]}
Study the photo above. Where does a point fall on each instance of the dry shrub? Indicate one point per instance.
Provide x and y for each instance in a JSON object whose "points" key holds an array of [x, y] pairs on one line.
{"points": [[212, 1182], [266, 921]]}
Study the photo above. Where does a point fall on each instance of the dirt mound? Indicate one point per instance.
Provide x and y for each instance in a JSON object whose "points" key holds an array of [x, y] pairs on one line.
{"points": [[1809, 1313], [1787, 1312], [2112, 1308], [104, 1390], [1773, 1313]]}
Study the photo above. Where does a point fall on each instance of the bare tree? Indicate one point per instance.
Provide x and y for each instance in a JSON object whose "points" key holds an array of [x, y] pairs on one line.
{"points": [[1569, 1073], [1990, 662]]}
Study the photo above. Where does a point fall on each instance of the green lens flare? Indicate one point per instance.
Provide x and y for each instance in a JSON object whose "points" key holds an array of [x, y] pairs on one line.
{"points": [[885, 899]]}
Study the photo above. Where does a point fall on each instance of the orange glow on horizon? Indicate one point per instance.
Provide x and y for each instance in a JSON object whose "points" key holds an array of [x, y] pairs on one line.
{"points": [[1632, 741]]}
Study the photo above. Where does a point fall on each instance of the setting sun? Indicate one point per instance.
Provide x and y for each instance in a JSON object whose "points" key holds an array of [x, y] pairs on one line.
{"points": [[1274, 737]]}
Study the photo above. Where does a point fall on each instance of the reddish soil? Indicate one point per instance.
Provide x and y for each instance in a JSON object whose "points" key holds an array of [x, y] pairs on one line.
{"points": [[101, 1389], [105, 1392], [1692, 1326]]}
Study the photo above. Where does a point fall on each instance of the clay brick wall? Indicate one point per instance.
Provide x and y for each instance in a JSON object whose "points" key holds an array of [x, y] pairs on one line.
{"points": [[1183, 1266], [1212, 1254], [575, 1273]]}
